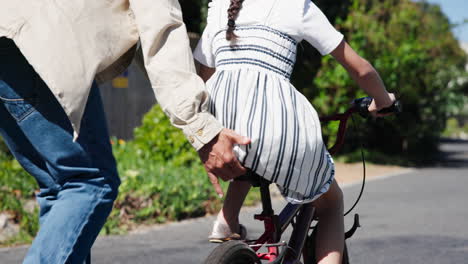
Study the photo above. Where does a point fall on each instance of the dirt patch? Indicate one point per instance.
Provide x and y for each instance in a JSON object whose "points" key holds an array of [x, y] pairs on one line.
{"points": [[351, 172], [347, 173]]}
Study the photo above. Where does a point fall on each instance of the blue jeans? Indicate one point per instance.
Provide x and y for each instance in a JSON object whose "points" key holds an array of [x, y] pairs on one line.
{"points": [[78, 180]]}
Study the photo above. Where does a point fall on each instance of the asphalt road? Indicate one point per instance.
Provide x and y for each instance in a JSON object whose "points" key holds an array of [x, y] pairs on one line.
{"points": [[418, 217]]}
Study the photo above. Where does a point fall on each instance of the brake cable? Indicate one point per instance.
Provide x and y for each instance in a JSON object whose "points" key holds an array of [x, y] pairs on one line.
{"points": [[363, 173], [343, 119], [360, 106]]}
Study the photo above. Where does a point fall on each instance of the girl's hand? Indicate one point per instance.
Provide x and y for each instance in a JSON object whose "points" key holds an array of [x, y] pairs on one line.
{"points": [[381, 103]]}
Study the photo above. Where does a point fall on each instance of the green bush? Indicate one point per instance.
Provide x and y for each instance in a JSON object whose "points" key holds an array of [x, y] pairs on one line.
{"points": [[412, 47], [156, 191], [162, 177], [454, 129], [157, 140], [16, 189]]}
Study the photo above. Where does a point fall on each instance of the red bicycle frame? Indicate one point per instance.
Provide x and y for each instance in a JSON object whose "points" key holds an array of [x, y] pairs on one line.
{"points": [[275, 225]]}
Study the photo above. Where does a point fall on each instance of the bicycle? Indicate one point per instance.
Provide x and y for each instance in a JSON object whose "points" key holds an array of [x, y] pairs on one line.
{"points": [[300, 216]]}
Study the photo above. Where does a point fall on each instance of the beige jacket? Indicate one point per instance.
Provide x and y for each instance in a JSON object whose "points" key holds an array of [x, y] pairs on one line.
{"points": [[71, 42]]}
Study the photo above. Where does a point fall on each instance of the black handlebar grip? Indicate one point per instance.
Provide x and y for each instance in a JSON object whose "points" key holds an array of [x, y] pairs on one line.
{"points": [[394, 108], [362, 106]]}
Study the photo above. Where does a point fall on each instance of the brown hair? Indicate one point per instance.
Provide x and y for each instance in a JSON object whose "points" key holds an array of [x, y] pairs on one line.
{"points": [[233, 12]]}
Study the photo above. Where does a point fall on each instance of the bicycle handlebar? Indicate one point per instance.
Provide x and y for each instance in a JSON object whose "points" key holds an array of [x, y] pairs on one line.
{"points": [[361, 106]]}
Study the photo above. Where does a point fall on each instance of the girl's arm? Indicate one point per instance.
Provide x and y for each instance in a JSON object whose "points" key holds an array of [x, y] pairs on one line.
{"points": [[205, 72], [365, 75]]}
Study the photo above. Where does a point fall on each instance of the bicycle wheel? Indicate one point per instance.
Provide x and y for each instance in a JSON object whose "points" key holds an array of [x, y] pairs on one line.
{"points": [[233, 252], [309, 251]]}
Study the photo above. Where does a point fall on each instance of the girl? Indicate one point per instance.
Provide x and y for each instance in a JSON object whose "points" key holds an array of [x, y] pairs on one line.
{"points": [[246, 58]]}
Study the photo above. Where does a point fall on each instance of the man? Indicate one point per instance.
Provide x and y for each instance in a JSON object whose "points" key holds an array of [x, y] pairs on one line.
{"points": [[51, 113]]}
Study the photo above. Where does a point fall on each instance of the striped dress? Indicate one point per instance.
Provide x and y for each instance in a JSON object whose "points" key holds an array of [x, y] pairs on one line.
{"points": [[251, 94]]}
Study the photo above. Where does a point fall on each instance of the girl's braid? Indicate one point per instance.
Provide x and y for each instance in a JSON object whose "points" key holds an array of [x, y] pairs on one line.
{"points": [[233, 12]]}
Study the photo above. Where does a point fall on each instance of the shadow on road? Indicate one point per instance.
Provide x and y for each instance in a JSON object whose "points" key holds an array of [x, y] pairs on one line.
{"points": [[453, 153], [410, 249]]}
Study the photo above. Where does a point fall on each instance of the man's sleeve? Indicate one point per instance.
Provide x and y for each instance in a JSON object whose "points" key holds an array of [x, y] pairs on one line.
{"points": [[170, 67]]}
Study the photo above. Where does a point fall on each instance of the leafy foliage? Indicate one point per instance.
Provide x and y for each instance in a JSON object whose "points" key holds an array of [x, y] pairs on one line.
{"points": [[195, 12], [157, 140], [162, 177], [16, 189], [454, 129], [412, 47]]}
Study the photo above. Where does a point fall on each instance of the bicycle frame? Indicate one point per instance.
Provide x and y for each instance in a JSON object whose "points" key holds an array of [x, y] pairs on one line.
{"points": [[275, 225]]}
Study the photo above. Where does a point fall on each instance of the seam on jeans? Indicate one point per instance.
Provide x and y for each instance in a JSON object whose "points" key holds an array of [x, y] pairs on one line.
{"points": [[34, 101], [97, 197], [25, 115], [12, 100]]}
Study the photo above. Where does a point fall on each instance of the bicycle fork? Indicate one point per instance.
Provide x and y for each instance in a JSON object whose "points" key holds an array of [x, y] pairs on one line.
{"points": [[299, 234]]}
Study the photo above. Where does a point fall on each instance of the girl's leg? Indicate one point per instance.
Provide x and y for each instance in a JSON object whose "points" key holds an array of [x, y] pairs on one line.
{"points": [[330, 233], [235, 197]]}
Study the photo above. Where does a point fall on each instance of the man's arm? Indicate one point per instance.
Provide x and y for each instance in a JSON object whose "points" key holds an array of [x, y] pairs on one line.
{"points": [[169, 64], [180, 92]]}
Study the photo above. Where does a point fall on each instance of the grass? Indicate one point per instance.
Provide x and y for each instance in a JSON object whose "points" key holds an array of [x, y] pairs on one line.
{"points": [[454, 129], [16, 189]]}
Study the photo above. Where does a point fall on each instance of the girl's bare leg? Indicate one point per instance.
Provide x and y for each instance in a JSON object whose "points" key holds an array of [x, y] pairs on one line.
{"points": [[330, 233], [235, 197]]}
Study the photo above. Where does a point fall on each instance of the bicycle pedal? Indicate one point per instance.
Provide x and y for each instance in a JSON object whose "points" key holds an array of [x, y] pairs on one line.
{"points": [[262, 217], [355, 226]]}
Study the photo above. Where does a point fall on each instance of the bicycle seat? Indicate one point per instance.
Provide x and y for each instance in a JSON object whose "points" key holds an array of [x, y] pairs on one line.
{"points": [[254, 179]]}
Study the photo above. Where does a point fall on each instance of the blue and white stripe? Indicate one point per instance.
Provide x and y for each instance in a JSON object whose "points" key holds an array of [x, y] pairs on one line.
{"points": [[251, 94], [257, 47]]}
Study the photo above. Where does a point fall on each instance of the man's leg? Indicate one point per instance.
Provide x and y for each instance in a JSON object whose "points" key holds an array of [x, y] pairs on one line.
{"points": [[78, 180]]}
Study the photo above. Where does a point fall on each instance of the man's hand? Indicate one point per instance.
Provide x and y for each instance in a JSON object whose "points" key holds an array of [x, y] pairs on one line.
{"points": [[219, 159]]}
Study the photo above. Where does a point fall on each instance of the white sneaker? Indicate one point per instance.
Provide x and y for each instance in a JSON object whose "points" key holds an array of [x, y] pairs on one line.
{"points": [[222, 233]]}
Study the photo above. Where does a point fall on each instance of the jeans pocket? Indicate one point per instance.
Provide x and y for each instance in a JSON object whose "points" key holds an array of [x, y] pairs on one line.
{"points": [[17, 105], [18, 81]]}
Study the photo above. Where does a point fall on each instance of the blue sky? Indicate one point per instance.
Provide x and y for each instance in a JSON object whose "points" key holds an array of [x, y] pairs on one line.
{"points": [[457, 12]]}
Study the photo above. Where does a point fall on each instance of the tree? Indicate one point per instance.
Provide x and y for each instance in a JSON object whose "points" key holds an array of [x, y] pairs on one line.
{"points": [[413, 48], [195, 12]]}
